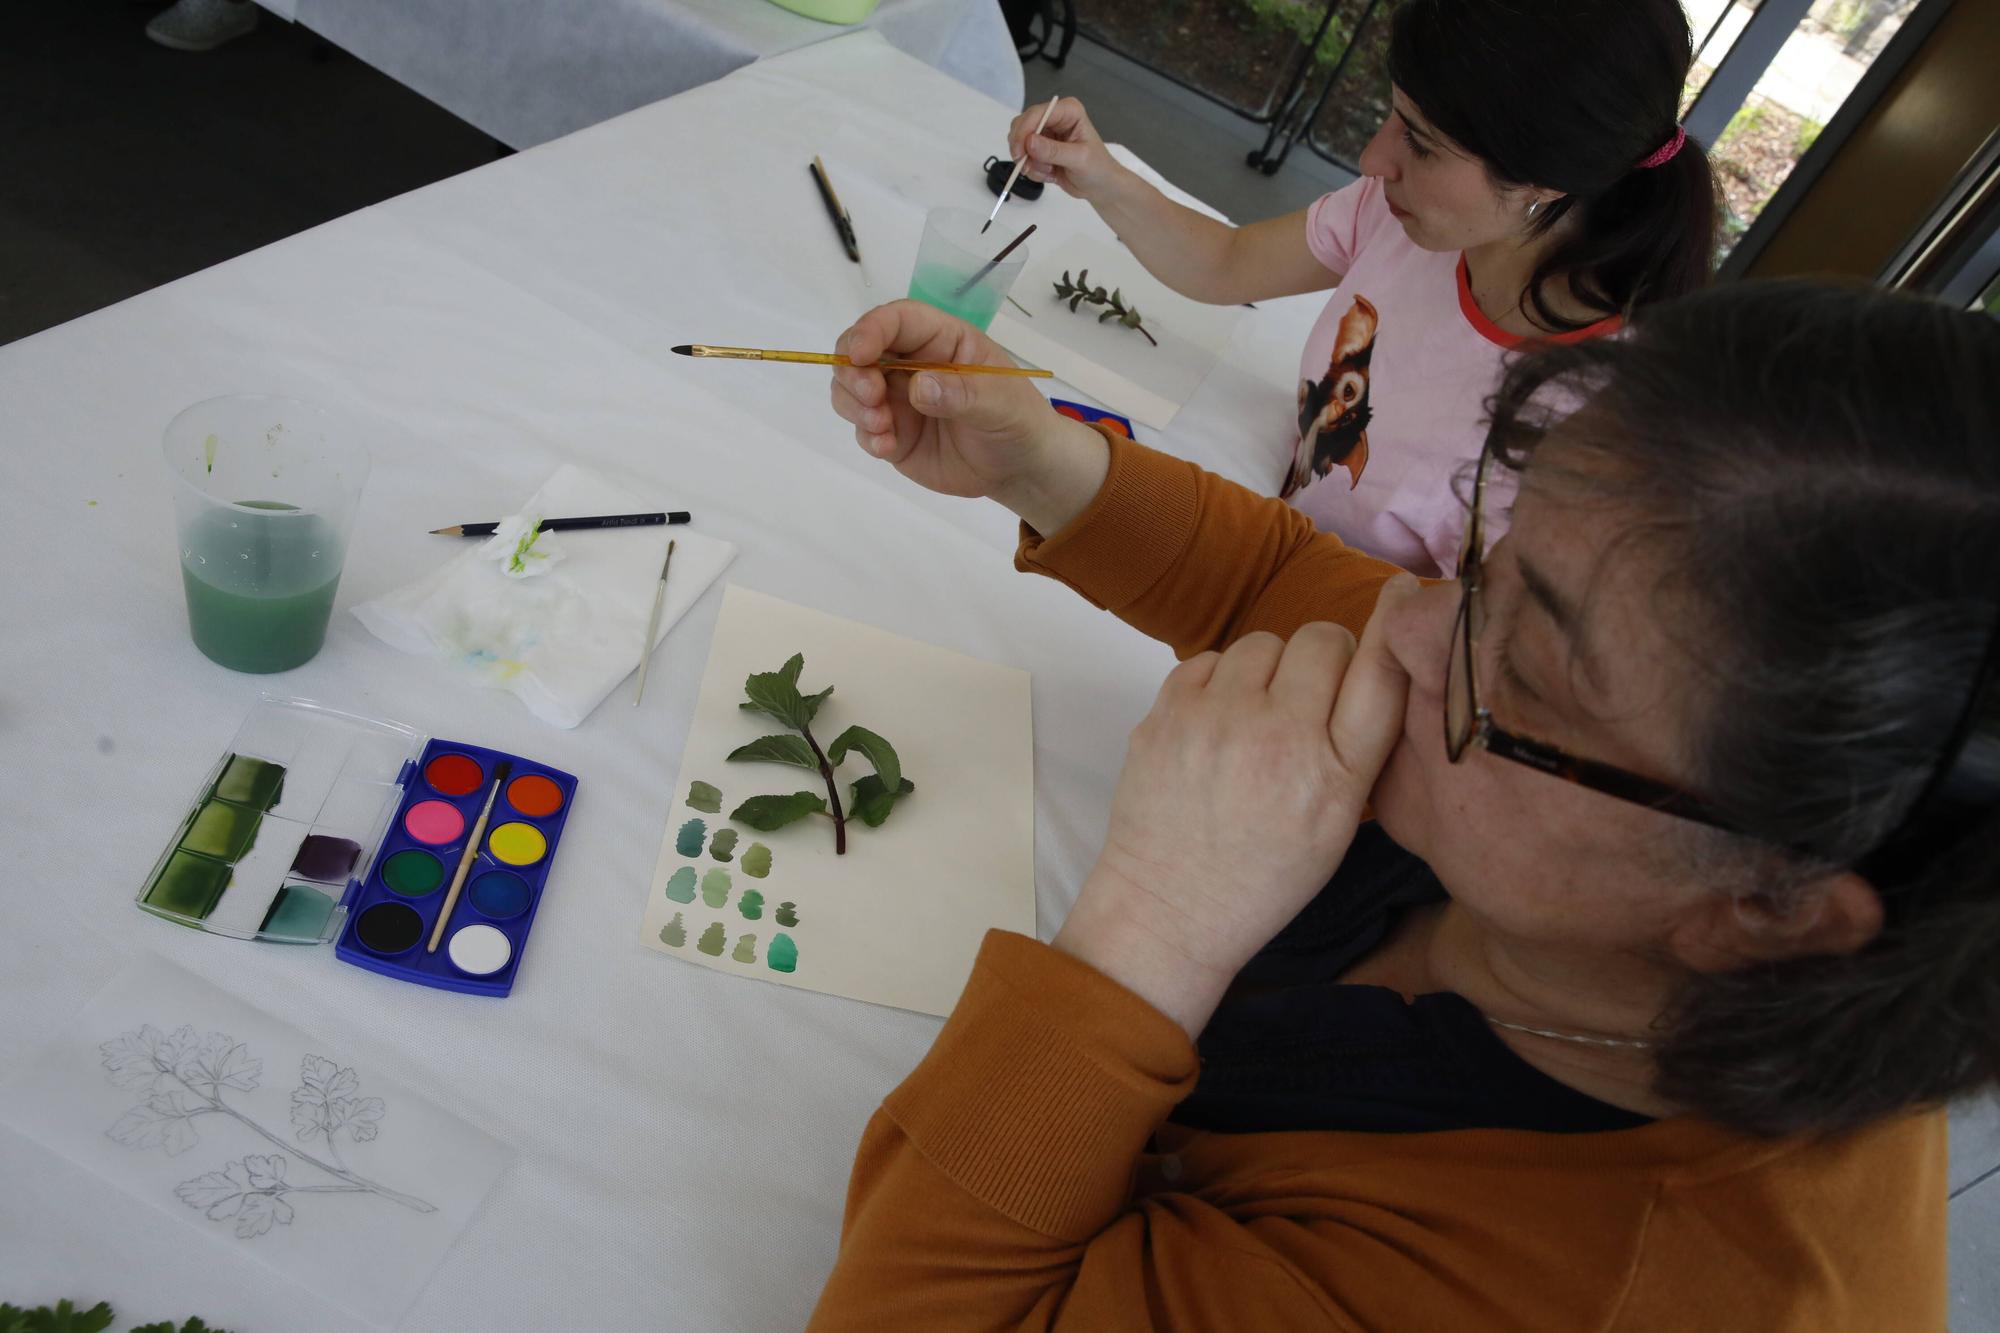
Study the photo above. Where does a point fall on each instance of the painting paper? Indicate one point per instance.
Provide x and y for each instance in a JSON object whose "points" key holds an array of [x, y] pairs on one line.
{"points": [[1113, 364], [259, 1138], [899, 918]]}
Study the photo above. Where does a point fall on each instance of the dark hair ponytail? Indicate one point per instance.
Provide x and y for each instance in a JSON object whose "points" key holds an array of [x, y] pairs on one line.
{"points": [[1573, 95], [1813, 469]]}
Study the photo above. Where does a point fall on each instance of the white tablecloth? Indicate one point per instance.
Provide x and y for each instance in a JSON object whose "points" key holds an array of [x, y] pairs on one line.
{"points": [[684, 1136], [528, 71]]}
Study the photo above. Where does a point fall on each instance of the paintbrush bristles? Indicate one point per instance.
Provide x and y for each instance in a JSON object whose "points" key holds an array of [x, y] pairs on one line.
{"points": [[1015, 174]]}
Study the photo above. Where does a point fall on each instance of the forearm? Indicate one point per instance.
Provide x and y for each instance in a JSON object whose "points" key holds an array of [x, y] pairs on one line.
{"points": [[1189, 251], [1196, 561], [1071, 462]]}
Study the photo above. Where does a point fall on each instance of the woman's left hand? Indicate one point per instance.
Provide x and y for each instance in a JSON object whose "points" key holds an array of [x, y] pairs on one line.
{"points": [[1241, 792]]}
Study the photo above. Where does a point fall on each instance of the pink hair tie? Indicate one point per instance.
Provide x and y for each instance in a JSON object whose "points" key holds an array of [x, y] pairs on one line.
{"points": [[1665, 152]]}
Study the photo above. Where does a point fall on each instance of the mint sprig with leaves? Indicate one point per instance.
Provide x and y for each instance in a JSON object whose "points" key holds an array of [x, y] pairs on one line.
{"points": [[1079, 292], [776, 694]]}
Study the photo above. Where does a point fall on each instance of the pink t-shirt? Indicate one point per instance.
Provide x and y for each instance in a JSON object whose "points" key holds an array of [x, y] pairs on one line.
{"points": [[1393, 386]]}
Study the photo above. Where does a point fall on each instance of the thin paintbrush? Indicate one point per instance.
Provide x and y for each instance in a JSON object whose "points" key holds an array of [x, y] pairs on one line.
{"points": [[994, 263], [500, 775], [1015, 174], [653, 625], [836, 359]]}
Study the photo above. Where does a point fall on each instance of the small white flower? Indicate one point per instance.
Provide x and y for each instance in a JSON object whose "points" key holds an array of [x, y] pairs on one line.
{"points": [[521, 547]]}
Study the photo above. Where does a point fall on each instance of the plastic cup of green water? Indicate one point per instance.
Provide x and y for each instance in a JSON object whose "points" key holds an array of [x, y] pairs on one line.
{"points": [[952, 254], [264, 496]]}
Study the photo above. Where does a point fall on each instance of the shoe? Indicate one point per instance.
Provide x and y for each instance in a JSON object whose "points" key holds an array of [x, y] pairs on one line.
{"points": [[202, 25]]}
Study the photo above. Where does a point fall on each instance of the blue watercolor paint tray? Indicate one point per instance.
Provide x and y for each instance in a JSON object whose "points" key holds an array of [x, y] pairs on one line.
{"points": [[1087, 414], [394, 910], [313, 818]]}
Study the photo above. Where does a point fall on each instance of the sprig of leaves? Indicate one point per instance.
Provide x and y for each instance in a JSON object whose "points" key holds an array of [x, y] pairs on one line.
{"points": [[1079, 292], [776, 694], [66, 1318]]}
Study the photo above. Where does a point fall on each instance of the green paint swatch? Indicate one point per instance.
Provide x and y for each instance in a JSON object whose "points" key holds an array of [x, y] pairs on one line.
{"points": [[297, 913], [745, 950], [723, 845], [674, 933], [751, 904], [757, 861], [251, 782], [688, 841], [783, 955], [222, 830], [788, 914], [188, 886], [701, 796], [712, 940], [680, 885], [413, 873], [715, 888]]}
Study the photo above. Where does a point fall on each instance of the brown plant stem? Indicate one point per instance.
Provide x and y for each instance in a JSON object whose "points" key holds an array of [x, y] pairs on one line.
{"points": [[832, 794]]}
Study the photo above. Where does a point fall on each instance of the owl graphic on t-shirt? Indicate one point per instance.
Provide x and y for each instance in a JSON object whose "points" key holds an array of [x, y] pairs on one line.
{"points": [[1333, 410]]}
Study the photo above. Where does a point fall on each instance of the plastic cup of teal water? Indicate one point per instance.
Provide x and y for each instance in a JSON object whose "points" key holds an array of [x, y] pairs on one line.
{"points": [[952, 255], [264, 495]]}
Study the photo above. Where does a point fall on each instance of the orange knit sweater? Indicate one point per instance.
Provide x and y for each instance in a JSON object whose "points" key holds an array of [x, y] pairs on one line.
{"points": [[1024, 1176]]}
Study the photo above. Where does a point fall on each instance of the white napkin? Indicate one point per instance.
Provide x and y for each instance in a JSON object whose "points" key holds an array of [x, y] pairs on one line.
{"points": [[562, 641]]}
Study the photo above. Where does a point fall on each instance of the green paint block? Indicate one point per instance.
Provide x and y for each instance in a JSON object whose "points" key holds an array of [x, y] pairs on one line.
{"points": [[751, 904], [688, 841], [783, 955], [297, 913], [713, 940], [187, 886], [256, 783], [674, 934], [788, 914], [222, 830], [680, 885], [715, 888], [703, 797], [723, 845], [757, 861], [745, 950]]}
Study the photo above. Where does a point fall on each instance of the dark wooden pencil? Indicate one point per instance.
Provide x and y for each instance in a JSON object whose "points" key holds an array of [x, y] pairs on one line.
{"points": [[572, 524]]}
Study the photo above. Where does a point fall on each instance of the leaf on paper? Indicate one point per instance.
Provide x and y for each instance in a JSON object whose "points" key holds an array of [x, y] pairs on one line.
{"points": [[161, 1121], [780, 749], [765, 813], [813, 701], [872, 799], [776, 693], [880, 753]]}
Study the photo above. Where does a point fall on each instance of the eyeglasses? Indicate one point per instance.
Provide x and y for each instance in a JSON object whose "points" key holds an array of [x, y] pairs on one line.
{"points": [[1467, 724]]}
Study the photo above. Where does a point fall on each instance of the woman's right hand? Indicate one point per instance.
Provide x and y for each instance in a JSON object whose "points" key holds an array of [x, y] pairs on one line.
{"points": [[1068, 151], [969, 435]]}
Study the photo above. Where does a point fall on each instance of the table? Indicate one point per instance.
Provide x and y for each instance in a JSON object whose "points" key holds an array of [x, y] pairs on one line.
{"points": [[526, 72], [684, 1137]]}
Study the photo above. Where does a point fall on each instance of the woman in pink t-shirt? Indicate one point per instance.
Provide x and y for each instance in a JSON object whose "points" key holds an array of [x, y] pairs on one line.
{"points": [[1529, 183]]}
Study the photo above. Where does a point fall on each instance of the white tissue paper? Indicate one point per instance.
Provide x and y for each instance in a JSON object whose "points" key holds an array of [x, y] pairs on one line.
{"points": [[563, 640]]}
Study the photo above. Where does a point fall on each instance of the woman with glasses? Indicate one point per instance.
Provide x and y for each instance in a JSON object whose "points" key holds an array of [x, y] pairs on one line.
{"points": [[1677, 923]]}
